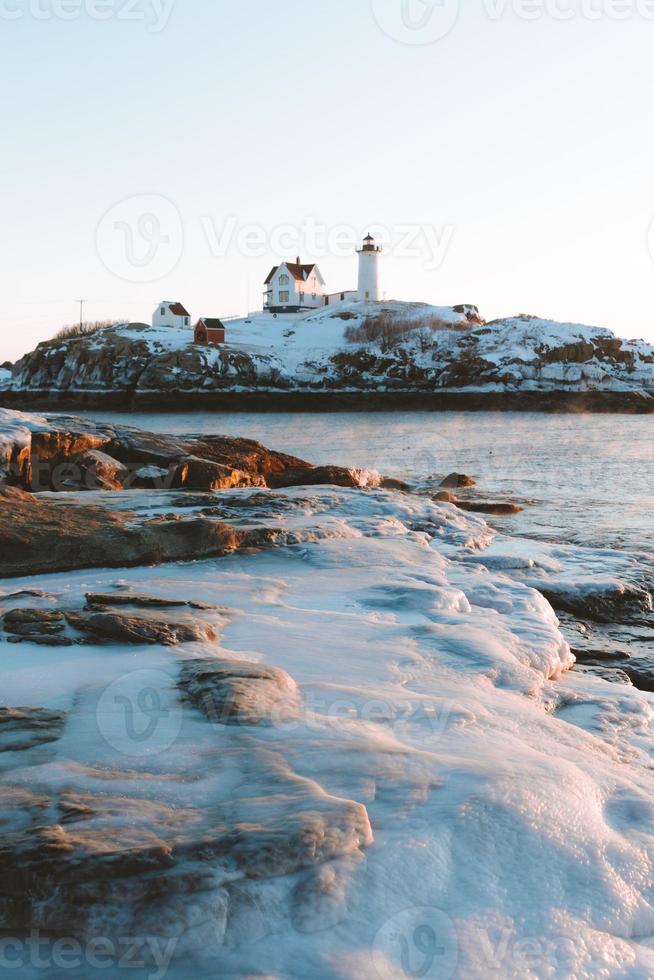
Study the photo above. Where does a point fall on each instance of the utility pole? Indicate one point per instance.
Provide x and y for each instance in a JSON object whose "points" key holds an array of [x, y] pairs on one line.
{"points": [[81, 313]]}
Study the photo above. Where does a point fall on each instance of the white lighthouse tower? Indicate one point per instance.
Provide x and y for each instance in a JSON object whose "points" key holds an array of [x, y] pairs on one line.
{"points": [[369, 255]]}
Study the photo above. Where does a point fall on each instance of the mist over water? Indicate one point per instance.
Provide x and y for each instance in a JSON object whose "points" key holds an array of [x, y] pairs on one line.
{"points": [[586, 479]]}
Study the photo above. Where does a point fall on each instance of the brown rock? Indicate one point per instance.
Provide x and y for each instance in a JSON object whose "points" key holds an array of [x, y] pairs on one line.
{"points": [[38, 536], [481, 507], [145, 601], [43, 639], [239, 693], [457, 481], [115, 628], [39, 617], [577, 353], [308, 476], [98, 471], [202, 474], [34, 629], [24, 728], [73, 454], [390, 483], [26, 593]]}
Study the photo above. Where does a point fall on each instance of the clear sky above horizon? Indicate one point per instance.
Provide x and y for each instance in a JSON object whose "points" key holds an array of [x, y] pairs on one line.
{"points": [[178, 148]]}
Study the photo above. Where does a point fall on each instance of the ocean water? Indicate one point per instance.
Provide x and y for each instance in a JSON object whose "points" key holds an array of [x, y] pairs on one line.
{"points": [[584, 479]]}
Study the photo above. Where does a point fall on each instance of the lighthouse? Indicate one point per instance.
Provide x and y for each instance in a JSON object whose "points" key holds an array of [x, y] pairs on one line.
{"points": [[369, 255]]}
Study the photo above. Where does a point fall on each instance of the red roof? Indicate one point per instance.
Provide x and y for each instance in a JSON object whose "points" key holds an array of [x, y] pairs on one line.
{"points": [[299, 272], [178, 310], [211, 323]]}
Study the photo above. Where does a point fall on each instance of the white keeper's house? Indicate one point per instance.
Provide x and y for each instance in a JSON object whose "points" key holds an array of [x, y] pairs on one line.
{"points": [[169, 314], [292, 287]]}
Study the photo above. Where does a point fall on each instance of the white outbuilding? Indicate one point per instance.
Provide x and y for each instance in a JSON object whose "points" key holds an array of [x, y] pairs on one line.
{"points": [[171, 314]]}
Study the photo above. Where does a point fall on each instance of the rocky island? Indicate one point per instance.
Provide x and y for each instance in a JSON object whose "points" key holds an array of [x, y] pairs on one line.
{"points": [[356, 356]]}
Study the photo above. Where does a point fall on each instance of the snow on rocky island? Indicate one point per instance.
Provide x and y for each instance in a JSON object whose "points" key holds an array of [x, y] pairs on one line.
{"points": [[340, 734], [381, 353]]}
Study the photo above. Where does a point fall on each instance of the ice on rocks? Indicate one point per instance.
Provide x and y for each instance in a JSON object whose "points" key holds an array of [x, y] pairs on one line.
{"points": [[440, 756]]}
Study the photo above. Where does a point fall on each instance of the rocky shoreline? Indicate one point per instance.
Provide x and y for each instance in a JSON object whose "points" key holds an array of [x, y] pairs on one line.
{"points": [[264, 791], [636, 402]]}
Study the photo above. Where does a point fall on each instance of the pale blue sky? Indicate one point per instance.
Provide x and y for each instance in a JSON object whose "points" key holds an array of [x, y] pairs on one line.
{"points": [[525, 148]]}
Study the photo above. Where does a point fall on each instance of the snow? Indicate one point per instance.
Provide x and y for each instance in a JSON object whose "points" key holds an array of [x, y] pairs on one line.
{"points": [[511, 800], [301, 348], [293, 337], [168, 338]]}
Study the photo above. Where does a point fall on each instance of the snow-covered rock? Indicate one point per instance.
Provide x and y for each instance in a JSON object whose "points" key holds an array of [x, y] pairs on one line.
{"points": [[441, 794], [387, 346]]}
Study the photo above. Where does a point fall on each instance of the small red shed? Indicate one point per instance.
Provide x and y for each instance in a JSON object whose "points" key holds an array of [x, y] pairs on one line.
{"points": [[209, 331]]}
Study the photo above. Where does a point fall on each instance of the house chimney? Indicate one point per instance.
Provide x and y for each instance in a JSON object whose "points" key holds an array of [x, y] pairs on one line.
{"points": [[298, 260]]}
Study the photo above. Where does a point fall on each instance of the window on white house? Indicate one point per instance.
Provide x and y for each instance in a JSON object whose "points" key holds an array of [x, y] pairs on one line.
{"points": [[163, 310], [283, 297], [186, 321], [283, 280]]}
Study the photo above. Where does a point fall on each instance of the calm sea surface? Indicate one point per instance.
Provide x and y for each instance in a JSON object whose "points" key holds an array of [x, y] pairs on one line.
{"points": [[587, 479]]}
